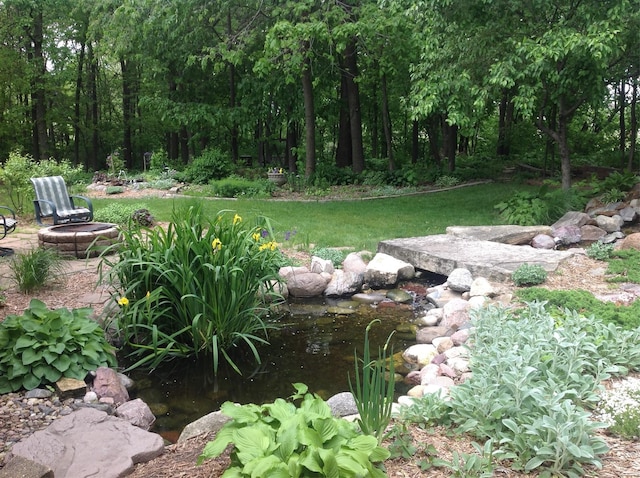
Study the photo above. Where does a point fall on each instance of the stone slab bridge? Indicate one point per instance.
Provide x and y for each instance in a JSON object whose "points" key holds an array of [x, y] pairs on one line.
{"points": [[493, 252]]}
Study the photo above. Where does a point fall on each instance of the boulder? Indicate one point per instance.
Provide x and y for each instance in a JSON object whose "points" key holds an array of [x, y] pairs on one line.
{"points": [[542, 241], [425, 335], [572, 218], [592, 233], [107, 385], [137, 413], [385, 271], [344, 283], [342, 404], [89, 442], [306, 284], [482, 287], [354, 263], [632, 241], [460, 280], [455, 314], [319, 265], [567, 234], [211, 422], [609, 224]]}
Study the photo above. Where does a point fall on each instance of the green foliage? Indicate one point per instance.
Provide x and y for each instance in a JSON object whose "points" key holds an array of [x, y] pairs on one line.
{"points": [[468, 465], [372, 393], [529, 274], [33, 269], [532, 375], [281, 440], [42, 345], [616, 181], [117, 212], [211, 165], [612, 196], [18, 169], [446, 181], [114, 190], [585, 303], [548, 204], [336, 256], [619, 408], [599, 251], [193, 289], [430, 409], [624, 264], [233, 187]]}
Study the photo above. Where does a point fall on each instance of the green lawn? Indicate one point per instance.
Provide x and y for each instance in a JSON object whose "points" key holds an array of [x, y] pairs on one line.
{"points": [[359, 224]]}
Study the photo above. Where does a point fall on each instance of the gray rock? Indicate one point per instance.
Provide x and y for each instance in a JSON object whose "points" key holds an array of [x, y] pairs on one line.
{"points": [[385, 271], [38, 393], [613, 237], [481, 287], [137, 413], [592, 233], [542, 241], [107, 384], [572, 218], [455, 314], [344, 283], [628, 214], [460, 280], [609, 224], [425, 335], [90, 443], [19, 467], [504, 234], [354, 263], [319, 265], [400, 296], [342, 404], [306, 284], [211, 422], [371, 298], [286, 272], [567, 234]]}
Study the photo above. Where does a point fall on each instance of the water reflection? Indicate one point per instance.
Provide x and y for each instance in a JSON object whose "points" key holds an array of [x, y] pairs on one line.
{"points": [[313, 346]]}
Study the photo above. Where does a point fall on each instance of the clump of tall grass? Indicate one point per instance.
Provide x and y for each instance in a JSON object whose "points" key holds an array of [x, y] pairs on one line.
{"points": [[33, 269], [194, 289]]}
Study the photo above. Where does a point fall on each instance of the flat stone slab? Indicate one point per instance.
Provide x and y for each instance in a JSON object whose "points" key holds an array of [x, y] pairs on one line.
{"points": [[506, 234], [89, 442], [442, 253]]}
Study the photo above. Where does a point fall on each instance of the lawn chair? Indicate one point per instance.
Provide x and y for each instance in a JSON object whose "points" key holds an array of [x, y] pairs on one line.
{"points": [[53, 201], [8, 224]]}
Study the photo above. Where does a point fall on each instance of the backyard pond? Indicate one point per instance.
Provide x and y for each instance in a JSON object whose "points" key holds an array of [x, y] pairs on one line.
{"points": [[315, 345]]}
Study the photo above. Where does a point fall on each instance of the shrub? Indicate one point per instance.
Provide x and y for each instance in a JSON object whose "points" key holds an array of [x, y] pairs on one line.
{"points": [[212, 164], [42, 345], [234, 186], [336, 256], [114, 190], [599, 251], [117, 213], [529, 274], [447, 181], [193, 289], [280, 440], [33, 269]]}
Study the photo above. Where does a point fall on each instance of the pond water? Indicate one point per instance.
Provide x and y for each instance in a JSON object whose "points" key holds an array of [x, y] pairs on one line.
{"points": [[313, 346]]}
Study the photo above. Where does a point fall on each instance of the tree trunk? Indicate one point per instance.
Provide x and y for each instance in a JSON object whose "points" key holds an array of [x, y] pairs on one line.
{"points": [[343, 149], [386, 124], [633, 122], [235, 148], [77, 131], [291, 154], [127, 112], [415, 141], [450, 143], [94, 163], [623, 127], [309, 117], [433, 132], [355, 118], [505, 123], [38, 95]]}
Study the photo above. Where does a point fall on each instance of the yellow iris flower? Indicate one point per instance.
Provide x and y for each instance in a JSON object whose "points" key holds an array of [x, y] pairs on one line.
{"points": [[216, 244], [236, 219], [123, 301]]}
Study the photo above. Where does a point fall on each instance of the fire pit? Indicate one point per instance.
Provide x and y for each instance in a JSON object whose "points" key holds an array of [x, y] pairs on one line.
{"points": [[81, 240]]}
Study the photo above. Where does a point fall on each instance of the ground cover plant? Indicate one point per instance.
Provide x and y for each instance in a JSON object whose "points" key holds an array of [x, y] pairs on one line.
{"points": [[41, 346], [34, 269], [194, 289], [536, 378]]}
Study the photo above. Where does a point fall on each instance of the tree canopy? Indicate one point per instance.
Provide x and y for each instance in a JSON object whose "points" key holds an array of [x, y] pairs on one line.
{"points": [[303, 84]]}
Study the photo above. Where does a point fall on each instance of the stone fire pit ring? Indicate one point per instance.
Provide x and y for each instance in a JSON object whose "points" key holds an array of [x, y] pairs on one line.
{"points": [[79, 240]]}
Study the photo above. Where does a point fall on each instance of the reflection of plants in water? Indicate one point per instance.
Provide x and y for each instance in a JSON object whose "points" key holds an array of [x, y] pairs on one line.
{"points": [[318, 341]]}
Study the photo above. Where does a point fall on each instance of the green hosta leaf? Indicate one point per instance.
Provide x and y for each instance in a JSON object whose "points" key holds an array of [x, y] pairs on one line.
{"points": [[281, 410], [57, 348], [52, 375], [379, 454], [30, 356], [330, 467], [311, 438], [215, 447], [266, 466], [249, 413], [365, 443], [30, 381], [310, 459], [25, 342], [62, 363], [253, 442], [326, 428]]}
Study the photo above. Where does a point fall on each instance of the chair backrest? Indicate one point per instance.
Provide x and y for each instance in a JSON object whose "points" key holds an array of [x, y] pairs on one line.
{"points": [[54, 189]]}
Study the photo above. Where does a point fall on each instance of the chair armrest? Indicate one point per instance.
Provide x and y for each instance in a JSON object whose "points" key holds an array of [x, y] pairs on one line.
{"points": [[13, 214], [7, 228], [39, 215], [85, 199]]}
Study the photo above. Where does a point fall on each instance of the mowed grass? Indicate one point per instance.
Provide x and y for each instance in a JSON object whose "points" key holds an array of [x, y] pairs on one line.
{"points": [[358, 224]]}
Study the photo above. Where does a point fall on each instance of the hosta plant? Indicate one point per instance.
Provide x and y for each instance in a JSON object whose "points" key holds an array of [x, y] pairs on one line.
{"points": [[43, 345], [282, 440]]}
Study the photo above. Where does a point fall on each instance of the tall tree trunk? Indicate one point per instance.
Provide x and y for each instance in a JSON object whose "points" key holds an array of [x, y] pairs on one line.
{"points": [[93, 162], [77, 131], [38, 95], [235, 148], [505, 123], [343, 149], [622, 99], [433, 132], [355, 117], [450, 143], [386, 124], [291, 154], [127, 112], [415, 141], [633, 121], [309, 117]]}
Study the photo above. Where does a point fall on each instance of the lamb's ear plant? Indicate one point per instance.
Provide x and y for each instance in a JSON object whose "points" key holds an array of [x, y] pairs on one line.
{"points": [[42, 345], [282, 440], [374, 387]]}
